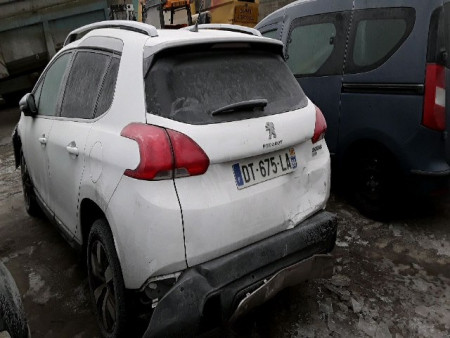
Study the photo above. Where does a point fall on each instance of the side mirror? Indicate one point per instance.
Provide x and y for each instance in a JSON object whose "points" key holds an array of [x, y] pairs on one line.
{"points": [[28, 105]]}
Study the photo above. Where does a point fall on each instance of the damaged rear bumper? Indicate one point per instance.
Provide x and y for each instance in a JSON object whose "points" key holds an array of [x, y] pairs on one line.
{"points": [[227, 287], [317, 266]]}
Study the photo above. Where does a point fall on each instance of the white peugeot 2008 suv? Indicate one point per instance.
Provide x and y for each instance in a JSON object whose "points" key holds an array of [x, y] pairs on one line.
{"points": [[188, 165]]}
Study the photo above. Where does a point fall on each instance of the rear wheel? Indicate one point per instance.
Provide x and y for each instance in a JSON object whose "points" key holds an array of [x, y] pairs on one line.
{"points": [[29, 195], [373, 179], [106, 281], [12, 314]]}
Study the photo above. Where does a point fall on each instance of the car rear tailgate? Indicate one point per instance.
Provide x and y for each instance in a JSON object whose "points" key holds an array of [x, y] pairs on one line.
{"points": [[218, 216], [243, 109]]}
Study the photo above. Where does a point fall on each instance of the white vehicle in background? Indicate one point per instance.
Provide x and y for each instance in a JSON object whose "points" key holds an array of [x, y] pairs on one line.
{"points": [[188, 165]]}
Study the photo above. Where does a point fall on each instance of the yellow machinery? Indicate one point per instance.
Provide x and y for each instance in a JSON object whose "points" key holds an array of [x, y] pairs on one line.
{"points": [[174, 13], [167, 13], [244, 13]]}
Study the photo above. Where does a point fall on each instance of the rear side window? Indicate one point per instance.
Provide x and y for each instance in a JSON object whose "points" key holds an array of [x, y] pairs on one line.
{"points": [[90, 84], [315, 45], [376, 35], [108, 85], [189, 87]]}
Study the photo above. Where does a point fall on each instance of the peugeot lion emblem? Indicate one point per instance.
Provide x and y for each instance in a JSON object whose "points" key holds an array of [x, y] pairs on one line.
{"points": [[271, 129]]}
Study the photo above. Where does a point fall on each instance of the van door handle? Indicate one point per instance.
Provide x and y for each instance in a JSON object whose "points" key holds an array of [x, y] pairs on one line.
{"points": [[43, 139], [72, 148]]}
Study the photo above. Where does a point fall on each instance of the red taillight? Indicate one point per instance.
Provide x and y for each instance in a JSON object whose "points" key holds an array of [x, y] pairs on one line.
{"points": [[190, 159], [434, 106], [320, 127], [164, 153]]}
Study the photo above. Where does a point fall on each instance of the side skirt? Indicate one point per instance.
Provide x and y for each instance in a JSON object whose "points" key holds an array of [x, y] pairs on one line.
{"points": [[62, 229]]}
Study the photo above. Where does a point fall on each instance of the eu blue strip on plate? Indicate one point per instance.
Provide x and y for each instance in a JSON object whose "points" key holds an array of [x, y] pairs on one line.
{"points": [[293, 162], [238, 175]]}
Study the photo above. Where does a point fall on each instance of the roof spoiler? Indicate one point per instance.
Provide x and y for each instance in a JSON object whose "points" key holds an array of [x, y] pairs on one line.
{"points": [[117, 24], [227, 27]]}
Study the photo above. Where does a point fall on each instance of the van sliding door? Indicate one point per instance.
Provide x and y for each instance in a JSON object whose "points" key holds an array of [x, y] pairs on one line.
{"points": [[315, 53]]}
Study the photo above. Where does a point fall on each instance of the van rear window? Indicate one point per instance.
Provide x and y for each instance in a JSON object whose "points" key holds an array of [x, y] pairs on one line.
{"points": [[439, 36], [190, 87]]}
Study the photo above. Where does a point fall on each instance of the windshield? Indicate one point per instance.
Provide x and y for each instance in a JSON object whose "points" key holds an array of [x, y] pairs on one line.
{"points": [[188, 87]]}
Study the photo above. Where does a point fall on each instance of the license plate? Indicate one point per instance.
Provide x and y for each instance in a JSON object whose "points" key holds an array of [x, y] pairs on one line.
{"points": [[263, 168]]}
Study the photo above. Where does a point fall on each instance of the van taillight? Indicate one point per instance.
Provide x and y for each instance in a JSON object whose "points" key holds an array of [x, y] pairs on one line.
{"points": [[434, 106], [164, 153], [320, 127]]}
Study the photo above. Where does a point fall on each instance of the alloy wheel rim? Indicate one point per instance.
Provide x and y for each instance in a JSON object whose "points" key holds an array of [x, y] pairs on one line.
{"points": [[103, 286], [371, 180]]}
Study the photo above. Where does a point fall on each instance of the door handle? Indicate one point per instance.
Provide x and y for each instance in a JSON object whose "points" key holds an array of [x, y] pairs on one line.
{"points": [[43, 139], [72, 148]]}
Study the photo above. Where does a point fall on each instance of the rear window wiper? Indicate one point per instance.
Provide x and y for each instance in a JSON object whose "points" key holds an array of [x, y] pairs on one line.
{"points": [[250, 104]]}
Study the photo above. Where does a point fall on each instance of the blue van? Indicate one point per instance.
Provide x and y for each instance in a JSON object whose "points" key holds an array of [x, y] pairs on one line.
{"points": [[378, 69]]}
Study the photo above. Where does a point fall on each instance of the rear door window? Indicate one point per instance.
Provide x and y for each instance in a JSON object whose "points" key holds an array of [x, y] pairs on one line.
{"points": [[376, 35], [90, 85], [189, 87], [315, 45]]}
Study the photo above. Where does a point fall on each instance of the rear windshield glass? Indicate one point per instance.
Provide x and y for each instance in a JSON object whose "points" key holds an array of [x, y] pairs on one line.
{"points": [[189, 87]]}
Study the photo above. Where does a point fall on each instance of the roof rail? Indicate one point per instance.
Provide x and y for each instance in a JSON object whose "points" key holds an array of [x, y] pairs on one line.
{"points": [[118, 24], [228, 27]]}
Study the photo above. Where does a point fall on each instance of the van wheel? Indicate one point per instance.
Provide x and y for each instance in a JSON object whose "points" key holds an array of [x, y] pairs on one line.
{"points": [[31, 205], [106, 281], [373, 182]]}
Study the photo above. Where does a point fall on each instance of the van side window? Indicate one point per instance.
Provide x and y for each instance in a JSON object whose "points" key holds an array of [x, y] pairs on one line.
{"points": [[315, 45], [319, 39], [270, 34], [376, 35], [375, 39]]}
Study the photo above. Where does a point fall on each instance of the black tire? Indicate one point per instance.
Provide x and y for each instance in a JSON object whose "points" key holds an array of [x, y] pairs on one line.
{"points": [[31, 205], [374, 180], [106, 281], [12, 314]]}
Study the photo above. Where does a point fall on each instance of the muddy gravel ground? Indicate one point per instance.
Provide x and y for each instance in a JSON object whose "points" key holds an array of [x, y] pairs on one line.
{"points": [[390, 279]]}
